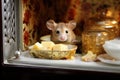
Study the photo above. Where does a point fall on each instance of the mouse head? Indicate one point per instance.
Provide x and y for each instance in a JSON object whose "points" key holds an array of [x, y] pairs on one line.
{"points": [[61, 31]]}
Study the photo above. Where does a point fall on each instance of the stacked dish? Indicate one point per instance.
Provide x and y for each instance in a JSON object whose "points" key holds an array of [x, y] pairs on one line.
{"points": [[112, 48]]}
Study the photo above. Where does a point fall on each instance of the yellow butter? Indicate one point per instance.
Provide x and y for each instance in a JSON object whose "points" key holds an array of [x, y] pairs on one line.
{"points": [[48, 45], [60, 47], [90, 56], [37, 46]]}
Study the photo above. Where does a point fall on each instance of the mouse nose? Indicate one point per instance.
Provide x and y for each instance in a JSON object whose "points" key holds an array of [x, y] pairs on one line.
{"points": [[63, 38]]}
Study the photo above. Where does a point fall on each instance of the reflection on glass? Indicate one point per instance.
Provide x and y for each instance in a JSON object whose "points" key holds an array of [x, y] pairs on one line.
{"points": [[93, 41]]}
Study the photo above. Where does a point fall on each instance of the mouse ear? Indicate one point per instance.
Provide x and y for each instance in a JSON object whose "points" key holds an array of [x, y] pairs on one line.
{"points": [[72, 24], [50, 24]]}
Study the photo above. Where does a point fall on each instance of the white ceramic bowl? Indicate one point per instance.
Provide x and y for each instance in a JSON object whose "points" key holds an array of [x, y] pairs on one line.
{"points": [[112, 48]]}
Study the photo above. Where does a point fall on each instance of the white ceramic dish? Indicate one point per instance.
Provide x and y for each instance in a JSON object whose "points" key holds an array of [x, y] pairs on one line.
{"points": [[112, 48], [45, 38], [105, 58]]}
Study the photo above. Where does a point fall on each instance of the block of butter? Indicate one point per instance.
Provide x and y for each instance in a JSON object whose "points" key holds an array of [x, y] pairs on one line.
{"points": [[48, 44], [90, 56], [60, 47], [45, 45], [36, 46]]}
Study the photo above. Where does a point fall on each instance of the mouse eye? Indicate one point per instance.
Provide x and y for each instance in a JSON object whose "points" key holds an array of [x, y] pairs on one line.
{"points": [[57, 32], [66, 31]]}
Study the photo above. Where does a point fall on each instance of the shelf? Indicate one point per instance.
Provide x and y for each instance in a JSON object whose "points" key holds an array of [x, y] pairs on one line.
{"points": [[75, 64]]}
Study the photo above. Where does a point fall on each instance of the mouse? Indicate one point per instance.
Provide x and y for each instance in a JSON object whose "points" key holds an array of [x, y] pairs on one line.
{"points": [[61, 31]]}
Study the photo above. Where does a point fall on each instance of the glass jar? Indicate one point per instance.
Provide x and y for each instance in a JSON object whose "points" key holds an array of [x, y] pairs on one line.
{"points": [[97, 30], [103, 21], [92, 40]]}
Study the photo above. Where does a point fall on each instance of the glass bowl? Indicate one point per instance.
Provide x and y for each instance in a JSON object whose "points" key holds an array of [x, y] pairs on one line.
{"points": [[55, 54]]}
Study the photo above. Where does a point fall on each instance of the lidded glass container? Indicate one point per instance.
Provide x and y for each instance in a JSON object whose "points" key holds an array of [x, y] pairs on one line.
{"points": [[103, 23], [97, 30]]}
